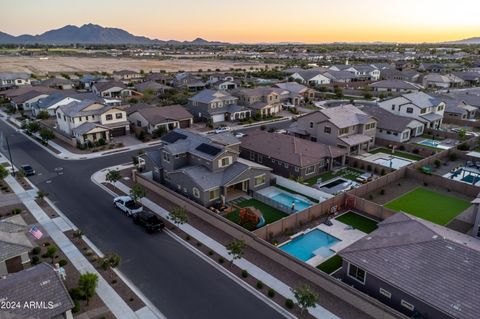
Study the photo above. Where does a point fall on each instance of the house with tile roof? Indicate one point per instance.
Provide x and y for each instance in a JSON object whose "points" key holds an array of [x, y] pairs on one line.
{"points": [[13, 79], [416, 267], [27, 100], [344, 126], [397, 86], [291, 156], [310, 77], [206, 168], [15, 245], [151, 118], [111, 89], [456, 107], [263, 101], [298, 94]]}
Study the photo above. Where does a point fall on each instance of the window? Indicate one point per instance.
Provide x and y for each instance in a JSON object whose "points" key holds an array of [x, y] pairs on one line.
{"points": [[259, 180], [59, 116], [440, 107], [273, 161], [166, 157], [259, 158], [311, 124], [386, 293], [196, 192], [423, 111], [410, 110], [286, 165], [327, 130], [395, 134], [118, 115], [310, 170], [109, 117], [139, 123], [297, 169], [214, 194], [393, 107], [344, 130], [407, 305], [252, 156], [225, 161], [356, 273]]}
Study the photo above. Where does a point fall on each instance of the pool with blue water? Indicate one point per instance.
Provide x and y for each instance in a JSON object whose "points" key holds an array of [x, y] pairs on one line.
{"points": [[311, 244]]}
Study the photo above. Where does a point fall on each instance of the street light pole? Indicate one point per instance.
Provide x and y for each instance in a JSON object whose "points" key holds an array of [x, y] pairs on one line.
{"points": [[10, 155]]}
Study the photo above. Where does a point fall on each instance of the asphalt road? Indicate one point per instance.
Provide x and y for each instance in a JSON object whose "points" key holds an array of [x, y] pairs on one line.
{"points": [[178, 282]]}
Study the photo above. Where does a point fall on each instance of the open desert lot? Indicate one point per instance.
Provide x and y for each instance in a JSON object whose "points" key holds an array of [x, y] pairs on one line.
{"points": [[56, 64]]}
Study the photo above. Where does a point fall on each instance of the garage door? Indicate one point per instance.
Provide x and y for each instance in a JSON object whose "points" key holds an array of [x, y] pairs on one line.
{"points": [[218, 118], [119, 131], [184, 123]]}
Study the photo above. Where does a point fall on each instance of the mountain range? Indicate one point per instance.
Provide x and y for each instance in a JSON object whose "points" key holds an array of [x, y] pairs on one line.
{"points": [[93, 34], [474, 40]]}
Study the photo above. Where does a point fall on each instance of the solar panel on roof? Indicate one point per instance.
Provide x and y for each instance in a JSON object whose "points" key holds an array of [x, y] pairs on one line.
{"points": [[172, 137], [208, 149]]}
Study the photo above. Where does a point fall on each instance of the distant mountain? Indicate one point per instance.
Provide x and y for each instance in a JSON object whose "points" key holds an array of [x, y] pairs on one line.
{"points": [[92, 34], [475, 40]]}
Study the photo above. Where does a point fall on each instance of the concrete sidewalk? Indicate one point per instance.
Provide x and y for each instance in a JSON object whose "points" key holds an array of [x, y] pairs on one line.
{"points": [[260, 274], [54, 229]]}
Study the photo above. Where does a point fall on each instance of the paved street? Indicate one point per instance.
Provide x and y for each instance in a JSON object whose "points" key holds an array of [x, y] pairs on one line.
{"points": [[179, 283]]}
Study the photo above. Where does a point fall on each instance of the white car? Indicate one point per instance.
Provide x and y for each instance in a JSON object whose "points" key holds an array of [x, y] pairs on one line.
{"points": [[240, 134], [127, 205], [222, 129]]}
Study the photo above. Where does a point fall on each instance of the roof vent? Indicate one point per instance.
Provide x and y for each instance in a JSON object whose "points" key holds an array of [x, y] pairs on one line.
{"points": [[450, 247], [435, 236], [368, 238], [457, 307]]}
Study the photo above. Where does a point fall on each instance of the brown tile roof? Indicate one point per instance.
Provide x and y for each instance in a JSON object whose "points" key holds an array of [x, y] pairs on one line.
{"points": [[155, 115]]}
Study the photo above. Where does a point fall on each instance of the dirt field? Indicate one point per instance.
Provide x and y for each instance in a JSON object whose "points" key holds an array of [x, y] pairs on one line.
{"points": [[80, 64]]}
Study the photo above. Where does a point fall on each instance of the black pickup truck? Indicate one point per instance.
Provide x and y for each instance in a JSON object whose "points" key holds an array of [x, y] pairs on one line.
{"points": [[149, 221]]}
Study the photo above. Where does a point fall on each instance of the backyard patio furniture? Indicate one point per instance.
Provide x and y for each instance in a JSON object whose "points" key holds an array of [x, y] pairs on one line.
{"points": [[427, 170]]}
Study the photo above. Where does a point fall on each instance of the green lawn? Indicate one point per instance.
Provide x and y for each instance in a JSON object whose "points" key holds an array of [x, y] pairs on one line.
{"points": [[429, 205], [357, 221], [348, 173], [406, 155], [269, 213], [331, 264]]}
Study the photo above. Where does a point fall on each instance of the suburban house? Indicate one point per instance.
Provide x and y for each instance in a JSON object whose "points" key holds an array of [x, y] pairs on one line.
{"points": [[394, 74], [41, 285], [89, 121], [54, 100], [155, 87], [27, 100], [222, 82], [419, 105], [298, 94], [393, 127], [431, 67], [418, 268], [88, 80], [310, 77], [127, 76], [291, 156], [395, 86], [402, 65], [361, 71], [151, 118], [340, 76], [158, 77], [14, 245], [188, 82], [10, 79], [469, 78], [264, 101], [58, 83], [456, 108], [344, 126], [435, 80], [217, 106], [206, 168], [111, 89]]}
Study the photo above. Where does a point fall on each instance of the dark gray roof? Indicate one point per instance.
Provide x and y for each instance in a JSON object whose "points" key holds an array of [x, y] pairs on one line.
{"points": [[293, 87], [426, 261], [387, 120], [56, 82], [14, 75], [156, 115], [103, 86], [209, 96], [76, 108], [396, 84], [421, 99], [346, 115], [86, 127], [27, 96], [151, 85], [40, 284]]}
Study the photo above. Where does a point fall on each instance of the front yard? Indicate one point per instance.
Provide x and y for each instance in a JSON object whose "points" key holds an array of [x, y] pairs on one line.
{"points": [[269, 213], [357, 221], [429, 205]]}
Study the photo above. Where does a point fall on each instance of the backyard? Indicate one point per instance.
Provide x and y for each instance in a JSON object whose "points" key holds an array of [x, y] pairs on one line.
{"points": [[357, 221], [269, 213], [331, 264], [405, 155], [429, 205], [348, 173]]}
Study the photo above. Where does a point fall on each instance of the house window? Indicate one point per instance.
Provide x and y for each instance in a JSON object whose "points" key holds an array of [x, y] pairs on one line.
{"points": [[259, 180], [109, 117], [59, 116], [260, 158], [407, 305], [118, 115], [214, 194], [196, 192], [311, 124], [273, 161], [166, 157], [310, 170], [225, 161], [386, 293], [423, 111], [344, 130], [139, 123], [297, 169], [252, 156], [393, 107], [327, 130], [440, 107], [410, 110], [356, 273]]}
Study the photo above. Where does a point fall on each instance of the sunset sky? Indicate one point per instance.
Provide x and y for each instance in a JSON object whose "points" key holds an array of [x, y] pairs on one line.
{"points": [[309, 21]]}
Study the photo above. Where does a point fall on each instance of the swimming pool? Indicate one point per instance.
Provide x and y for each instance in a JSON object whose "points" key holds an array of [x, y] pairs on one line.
{"points": [[287, 200], [335, 183], [311, 244], [435, 144], [393, 162]]}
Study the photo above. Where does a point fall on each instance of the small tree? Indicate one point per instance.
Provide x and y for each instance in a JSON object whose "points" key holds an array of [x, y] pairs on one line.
{"points": [[46, 134], [137, 192], [32, 127], [41, 194], [43, 115], [51, 251], [113, 176], [160, 131], [111, 260], [88, 285], [179, 215], [236, 249], [3, 172], [305, 296]]}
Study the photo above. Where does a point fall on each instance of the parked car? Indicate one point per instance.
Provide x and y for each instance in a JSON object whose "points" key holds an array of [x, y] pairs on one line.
{"points": [[27, 170], [149, 221], [127, 205], [240, 134], [222, 129]]}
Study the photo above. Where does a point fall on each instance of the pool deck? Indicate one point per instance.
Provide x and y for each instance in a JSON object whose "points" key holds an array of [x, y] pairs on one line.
{"points": [[373, 157], [460, 176]]}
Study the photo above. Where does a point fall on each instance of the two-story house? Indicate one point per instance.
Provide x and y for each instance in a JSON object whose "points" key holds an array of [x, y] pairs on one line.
{"points": [[419, 106], [343, 126], [151, 118], [206, 169], [310, 77], [216, 106], [111, 89], [222, 82], [189, 82], [127, 76], [298, 94], [11, 79], [264, 101], [89, 121]]}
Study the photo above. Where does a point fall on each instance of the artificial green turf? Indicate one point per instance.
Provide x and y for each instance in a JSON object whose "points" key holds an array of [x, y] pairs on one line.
{"points": [[331, 264], [357, 221], [269, 213], [406, 155], [429, 205]]}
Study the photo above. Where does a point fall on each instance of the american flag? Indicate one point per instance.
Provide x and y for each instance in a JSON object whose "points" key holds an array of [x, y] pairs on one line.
{"points": [[35, 232]]}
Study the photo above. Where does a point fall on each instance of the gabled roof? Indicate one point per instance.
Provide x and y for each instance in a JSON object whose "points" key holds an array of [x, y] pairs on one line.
{"points": [[387, 120], [156, 115], [86, 127], [14, 76], [103, 86], [292, 87], [56, 82], [346, 115], [421, 99], [396, 84], [429, 262], [27, 96], [308, 74], [209, 96], [76, 108], [13, 238], [151, 85]]}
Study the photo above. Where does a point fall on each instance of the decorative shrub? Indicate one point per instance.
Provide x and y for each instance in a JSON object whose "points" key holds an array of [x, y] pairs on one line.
{"points": [[289, 303], [35, 260], [244, 273], [259, 284], [63, 262], [271, 293], [36, 250], [415, 151], [221, 260]]}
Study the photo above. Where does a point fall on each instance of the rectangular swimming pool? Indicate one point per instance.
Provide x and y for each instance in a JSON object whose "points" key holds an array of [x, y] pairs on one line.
{"points": [[287, 200], [311, 244], [435, 144]]}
